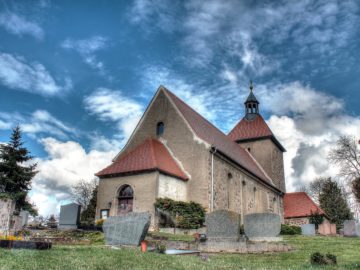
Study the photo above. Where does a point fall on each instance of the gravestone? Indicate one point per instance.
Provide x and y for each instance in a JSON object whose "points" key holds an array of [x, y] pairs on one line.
{"points": [[262, 227], [326, 228], [222, 224], [129, 229], [69, 216], [351, 228], [7, 208], [308, 229], [25, 216]]}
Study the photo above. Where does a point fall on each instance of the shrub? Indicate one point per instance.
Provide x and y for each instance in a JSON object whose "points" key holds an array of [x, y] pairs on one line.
{"points": [[100, 222], [289, 230], [320, 259], [184, 215], [316, 218], [160, 247]]}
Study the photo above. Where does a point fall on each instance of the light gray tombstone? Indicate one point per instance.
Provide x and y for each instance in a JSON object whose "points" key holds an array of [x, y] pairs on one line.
{"points": [[7, 208], [25, 216], [308, 229], [351, 228], [69, 216], [262, 227], [129, 229], [222, 224]]}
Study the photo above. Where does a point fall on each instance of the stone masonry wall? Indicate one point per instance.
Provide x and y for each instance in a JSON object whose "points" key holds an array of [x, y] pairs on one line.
{"points": [[297, 221], [269, 156], [239, 192]]}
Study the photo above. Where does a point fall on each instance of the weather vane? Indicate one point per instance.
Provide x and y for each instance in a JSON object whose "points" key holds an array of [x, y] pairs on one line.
{"points": [[251, 85]]}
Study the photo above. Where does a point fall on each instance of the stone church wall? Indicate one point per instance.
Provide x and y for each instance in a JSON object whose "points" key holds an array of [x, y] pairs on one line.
{"points": [[268, 155], [237, 191], [172, 188]]}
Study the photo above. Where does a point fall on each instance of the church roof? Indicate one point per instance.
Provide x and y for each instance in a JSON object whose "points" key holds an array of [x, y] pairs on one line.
{"points": [[249, 129], [151, 155], [299, 204], [223, 144]]}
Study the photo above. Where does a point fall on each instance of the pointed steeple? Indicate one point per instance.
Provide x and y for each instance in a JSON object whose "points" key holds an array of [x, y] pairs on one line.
{"points": [[251, 104]]}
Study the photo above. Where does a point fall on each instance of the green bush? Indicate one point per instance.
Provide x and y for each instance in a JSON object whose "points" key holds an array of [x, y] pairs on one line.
{"points": [[289, 230], [185, 215], [320, 259]]}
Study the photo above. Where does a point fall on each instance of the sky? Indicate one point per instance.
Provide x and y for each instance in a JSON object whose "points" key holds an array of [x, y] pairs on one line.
{"points": [[78, 75]]}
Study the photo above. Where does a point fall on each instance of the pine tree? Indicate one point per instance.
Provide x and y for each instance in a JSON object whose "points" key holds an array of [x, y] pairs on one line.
{"points": [[15, 172], [333, 202], [88, 215]]}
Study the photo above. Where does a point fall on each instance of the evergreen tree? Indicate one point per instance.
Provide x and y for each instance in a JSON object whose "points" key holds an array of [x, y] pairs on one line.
{"points": [[15, 172], [333, 202], [88, 215]]}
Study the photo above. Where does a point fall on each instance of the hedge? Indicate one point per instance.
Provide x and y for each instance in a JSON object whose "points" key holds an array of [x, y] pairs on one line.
{"points": [[185, 215], [290, 230]]}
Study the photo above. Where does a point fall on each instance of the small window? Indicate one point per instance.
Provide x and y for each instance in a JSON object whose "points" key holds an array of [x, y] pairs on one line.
{"points": [[104, 213], [249, 149], [160, 128]]}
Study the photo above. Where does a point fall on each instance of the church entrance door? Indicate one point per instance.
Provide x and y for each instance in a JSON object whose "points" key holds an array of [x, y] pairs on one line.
{"points": [[126, 198]]}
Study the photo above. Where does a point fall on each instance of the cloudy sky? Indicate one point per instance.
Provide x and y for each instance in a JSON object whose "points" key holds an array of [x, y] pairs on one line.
{"points": [[77, 76]]}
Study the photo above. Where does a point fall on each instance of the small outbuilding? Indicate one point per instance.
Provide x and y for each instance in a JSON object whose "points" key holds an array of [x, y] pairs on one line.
{"points": [[298, 208]]}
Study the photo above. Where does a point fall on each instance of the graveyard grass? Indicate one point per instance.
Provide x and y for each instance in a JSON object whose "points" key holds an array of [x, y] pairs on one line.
{"points": [[347, 251]]}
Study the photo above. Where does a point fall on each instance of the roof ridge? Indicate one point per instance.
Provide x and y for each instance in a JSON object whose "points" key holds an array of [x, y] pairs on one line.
{"points": [[194, 111]]}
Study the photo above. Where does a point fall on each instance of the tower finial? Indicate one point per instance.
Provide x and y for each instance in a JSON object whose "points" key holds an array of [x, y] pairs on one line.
{"points": [[251, 86]]}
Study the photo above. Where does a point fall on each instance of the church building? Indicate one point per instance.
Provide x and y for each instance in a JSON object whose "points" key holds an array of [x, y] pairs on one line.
{"points": [[176, 153]]}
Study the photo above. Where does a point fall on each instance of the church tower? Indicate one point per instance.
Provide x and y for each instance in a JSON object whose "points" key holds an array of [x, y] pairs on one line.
{"points": [[253, 134]]}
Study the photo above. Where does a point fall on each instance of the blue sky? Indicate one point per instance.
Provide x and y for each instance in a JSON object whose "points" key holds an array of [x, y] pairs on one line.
{"points": [[77, 76]]}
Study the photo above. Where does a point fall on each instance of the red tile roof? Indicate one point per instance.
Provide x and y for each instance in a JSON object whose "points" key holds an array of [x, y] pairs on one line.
{"points": [[299, 204], [252, 129], [212, 135], [151, 155]]}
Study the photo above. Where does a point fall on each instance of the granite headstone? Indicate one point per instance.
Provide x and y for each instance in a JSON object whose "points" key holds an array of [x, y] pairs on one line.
{"points": [[25, 216], [222, 224], [7, 208], [129, 229], [351, 228], [262, 226], [69, 216], [308, 229]]}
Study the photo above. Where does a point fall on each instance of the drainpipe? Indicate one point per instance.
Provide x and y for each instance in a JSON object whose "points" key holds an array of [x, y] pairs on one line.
{"points": [[213, 151]]}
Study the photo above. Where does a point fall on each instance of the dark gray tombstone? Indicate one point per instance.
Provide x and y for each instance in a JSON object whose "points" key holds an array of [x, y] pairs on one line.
{"points": [[262, 226], [129, 229], [69, 216], [222, 224], [351, 228], [308, 229]]}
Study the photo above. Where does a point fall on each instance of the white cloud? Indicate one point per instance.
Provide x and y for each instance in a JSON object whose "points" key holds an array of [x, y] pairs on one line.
{"points": [[308, 123], [87, 49], [16, 73], [66, 164], [111, 105], [39, 122], [18, 25]]}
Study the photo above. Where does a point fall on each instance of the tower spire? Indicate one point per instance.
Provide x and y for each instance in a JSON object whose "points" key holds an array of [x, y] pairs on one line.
{"points": [[251, 104]]}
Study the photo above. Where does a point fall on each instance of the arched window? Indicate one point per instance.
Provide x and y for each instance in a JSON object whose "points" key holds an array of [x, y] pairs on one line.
{"points": [[125, 200], [160, 128]]}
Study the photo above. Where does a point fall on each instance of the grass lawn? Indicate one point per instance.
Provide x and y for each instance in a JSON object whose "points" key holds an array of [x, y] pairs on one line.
{"points": [[347, 251]]}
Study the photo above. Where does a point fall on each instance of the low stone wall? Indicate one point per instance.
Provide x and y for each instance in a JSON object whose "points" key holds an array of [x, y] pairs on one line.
{"points": [[296, 221], [182, 231], [242, 247]]}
